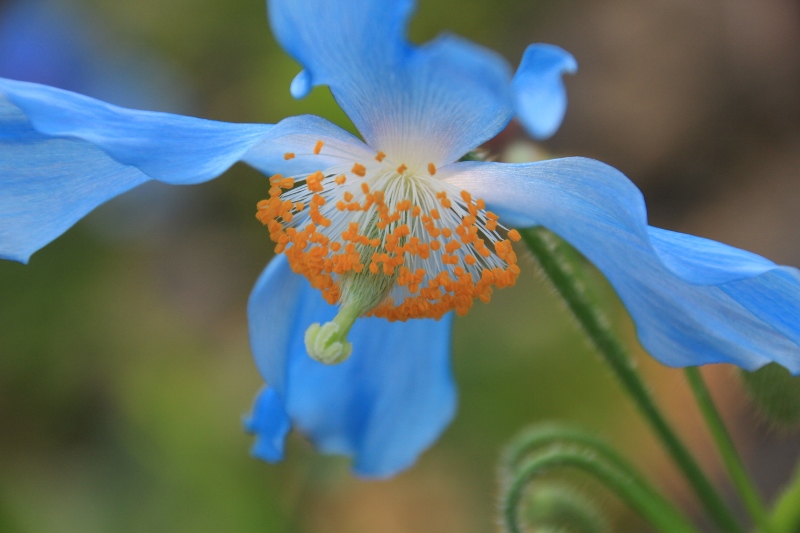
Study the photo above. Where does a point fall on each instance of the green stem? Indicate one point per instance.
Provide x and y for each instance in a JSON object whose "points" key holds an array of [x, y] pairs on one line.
{"points": [[727, 450], [561, 435], [643, 499], [552, 434], [551, 255]]}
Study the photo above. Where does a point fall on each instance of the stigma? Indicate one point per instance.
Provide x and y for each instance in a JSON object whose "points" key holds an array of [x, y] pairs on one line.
{"points": [[382, 239]]}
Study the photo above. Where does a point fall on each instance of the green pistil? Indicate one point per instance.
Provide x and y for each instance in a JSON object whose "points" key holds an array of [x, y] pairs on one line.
{"points": [[327, 343]]}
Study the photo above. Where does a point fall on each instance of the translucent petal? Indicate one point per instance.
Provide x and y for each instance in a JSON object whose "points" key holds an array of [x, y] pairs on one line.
{"points": [[383, 406], [47, 184], [539, 95], [424, 104], [299, 136], [694, 301], [170, 148]]}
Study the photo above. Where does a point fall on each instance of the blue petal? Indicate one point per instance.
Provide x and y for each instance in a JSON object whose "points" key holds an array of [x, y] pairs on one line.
{"points": [[416, 104], [540, 98], [63, 154], [170, 148], [301, 85], [694, 301], [299, 135], [383, 406], [47, 184], [270, 424]]}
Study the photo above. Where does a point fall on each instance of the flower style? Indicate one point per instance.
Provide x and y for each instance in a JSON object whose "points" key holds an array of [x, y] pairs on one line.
{"points": [[382, 239]]}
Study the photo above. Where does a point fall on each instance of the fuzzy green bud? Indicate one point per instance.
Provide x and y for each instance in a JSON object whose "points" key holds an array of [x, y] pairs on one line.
{"points": [[558, 507]]}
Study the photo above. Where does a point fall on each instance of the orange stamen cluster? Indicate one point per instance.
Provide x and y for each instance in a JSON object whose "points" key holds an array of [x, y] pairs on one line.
{"points": [[429, 255]]}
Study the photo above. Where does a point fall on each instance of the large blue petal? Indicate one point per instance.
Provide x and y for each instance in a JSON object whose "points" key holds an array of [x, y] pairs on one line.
{"points": [[417, 104], [170, 148], [383, 406], [694, 301], [63, 154], [538, 92]]}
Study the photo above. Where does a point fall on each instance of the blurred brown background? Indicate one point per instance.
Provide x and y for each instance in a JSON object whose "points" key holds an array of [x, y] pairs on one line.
{"points": [[124, 365]]}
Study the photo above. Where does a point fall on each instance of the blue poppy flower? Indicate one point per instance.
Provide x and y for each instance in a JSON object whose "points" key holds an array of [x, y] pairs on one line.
{"points": [[383, 239]]}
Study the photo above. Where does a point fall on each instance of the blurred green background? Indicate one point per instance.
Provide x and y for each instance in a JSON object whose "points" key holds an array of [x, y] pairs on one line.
{"points": [[124, 364]]}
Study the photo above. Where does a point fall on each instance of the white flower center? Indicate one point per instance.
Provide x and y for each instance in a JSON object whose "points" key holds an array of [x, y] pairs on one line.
{"points": [[381, 240]]}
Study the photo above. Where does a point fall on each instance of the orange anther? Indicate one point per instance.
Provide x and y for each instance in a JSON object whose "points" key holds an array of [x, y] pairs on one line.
{"points": [[431, 169], [452, 246], [380, 157], [359, 170], [402, 168], [318, 147], [445, 279], [288, 155]]}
